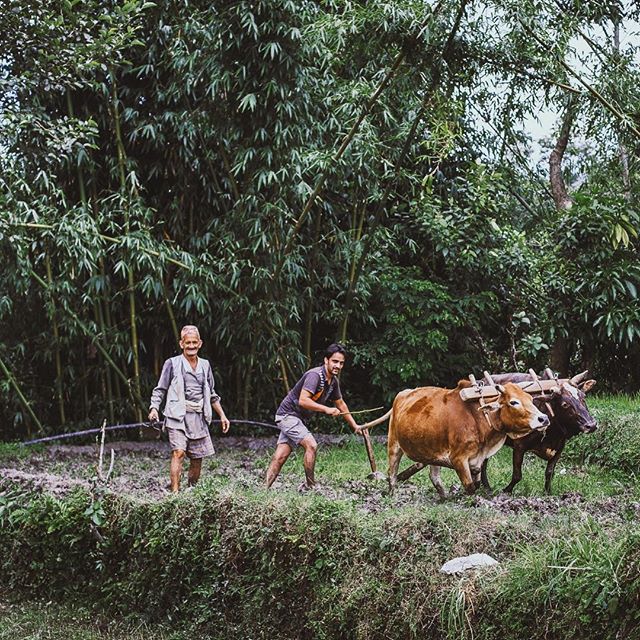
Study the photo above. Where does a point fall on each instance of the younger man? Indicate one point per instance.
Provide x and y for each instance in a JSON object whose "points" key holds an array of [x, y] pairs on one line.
{"points": [[187, 383], [312, 392]]}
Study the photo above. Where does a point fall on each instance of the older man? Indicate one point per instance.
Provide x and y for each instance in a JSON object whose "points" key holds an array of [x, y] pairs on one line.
{"points": [[187, 384]]}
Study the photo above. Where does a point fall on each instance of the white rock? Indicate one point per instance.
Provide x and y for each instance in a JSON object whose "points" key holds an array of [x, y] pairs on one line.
{"points": [[474, 561]]}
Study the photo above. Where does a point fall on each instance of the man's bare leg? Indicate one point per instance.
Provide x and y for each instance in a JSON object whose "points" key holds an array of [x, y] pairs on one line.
{"points": [[282, 452], [310, 447], [177, 457], [195, 467]]}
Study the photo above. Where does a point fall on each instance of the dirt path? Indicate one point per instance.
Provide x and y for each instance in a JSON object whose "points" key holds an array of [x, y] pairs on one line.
{"points": [[141, 468]]}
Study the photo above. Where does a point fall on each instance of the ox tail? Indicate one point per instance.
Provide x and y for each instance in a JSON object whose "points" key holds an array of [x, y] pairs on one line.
{"points": [[377, 421]]}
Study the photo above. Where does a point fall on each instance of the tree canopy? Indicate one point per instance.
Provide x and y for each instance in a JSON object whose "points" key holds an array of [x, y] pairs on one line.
{"points": [[286, 173]]}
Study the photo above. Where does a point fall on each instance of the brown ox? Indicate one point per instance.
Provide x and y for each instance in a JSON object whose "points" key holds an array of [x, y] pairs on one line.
{"points": [[434, 426]]}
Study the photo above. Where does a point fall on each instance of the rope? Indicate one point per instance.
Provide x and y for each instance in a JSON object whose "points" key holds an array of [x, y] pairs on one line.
{"points": [[353, 413], [135, 425]]}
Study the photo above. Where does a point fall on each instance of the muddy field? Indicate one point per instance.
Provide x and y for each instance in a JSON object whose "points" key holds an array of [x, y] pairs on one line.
{"points": [[141, 470]]}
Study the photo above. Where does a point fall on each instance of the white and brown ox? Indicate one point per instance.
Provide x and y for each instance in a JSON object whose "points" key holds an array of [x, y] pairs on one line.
{"points": [[434, 426]]}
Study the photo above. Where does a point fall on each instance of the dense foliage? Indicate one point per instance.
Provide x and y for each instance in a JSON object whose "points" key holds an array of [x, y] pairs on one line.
{"points": [[283, 173]]}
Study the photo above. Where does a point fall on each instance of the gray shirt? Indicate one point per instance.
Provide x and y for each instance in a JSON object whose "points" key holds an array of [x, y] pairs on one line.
{"points": [[322, 392]]}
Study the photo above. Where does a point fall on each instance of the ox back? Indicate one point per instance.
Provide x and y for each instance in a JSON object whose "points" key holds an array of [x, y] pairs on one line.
{"points": [[570, 418]]}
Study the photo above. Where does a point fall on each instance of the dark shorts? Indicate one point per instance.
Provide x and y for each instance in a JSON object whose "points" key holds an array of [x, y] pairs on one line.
{"points": [[194, 447], [292, 430]]}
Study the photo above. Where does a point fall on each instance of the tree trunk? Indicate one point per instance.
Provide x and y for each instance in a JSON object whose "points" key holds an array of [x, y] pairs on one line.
{"points": [[560, 352], [561, 196], [559, 356], [622, 149]]}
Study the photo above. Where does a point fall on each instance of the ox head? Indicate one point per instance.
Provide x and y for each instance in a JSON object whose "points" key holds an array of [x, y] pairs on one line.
{"points": [[518, 414], [569, 406]]}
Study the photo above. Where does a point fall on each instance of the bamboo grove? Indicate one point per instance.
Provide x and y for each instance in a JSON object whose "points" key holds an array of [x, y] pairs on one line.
{"points": [[284, 173]]}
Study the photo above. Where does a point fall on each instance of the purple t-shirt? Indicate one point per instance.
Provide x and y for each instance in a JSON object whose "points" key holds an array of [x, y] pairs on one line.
{"points": [[314, 381]]}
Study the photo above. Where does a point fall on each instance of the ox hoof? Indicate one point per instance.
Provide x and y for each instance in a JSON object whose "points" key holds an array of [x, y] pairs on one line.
{"points": [[376, 475]]}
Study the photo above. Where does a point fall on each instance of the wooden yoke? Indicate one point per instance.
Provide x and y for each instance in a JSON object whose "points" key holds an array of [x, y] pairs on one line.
{"points": [[487, 388], [532, 373]]}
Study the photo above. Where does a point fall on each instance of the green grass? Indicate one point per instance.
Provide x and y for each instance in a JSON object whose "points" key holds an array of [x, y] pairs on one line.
{"points": [[47, 620], [614, 403], [13, 450], [343, 464]]}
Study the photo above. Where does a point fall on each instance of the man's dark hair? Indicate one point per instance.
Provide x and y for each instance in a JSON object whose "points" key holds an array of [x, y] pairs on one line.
{"points": [[336, 347]]}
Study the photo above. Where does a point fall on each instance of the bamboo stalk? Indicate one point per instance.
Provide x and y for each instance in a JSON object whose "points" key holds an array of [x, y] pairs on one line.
{"points": [[105, 310], [56, 342], [134, 341], [21, 396], [249, 377], [353, 273], [172, 317], [83, 193], [108, 390], [103, 298], [131, 284], [285, 379], [311, 271]]}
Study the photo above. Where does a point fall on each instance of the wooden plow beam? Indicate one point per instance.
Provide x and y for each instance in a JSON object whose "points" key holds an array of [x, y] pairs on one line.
{"points": [[487, 387]]}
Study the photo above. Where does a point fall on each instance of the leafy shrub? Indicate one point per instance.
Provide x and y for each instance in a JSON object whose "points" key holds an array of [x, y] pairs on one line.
{"points": [[616, 442], [279, 565]]}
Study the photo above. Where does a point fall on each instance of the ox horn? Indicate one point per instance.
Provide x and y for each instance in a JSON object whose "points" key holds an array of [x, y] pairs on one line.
{"points": [[576, 380]]}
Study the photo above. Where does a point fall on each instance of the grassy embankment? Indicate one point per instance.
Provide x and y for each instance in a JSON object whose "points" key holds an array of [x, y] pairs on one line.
{"points": [[228, 561]]}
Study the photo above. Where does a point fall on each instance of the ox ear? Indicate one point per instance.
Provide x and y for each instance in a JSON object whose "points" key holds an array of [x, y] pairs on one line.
{"points": [[499, 388], [587, 385]]}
